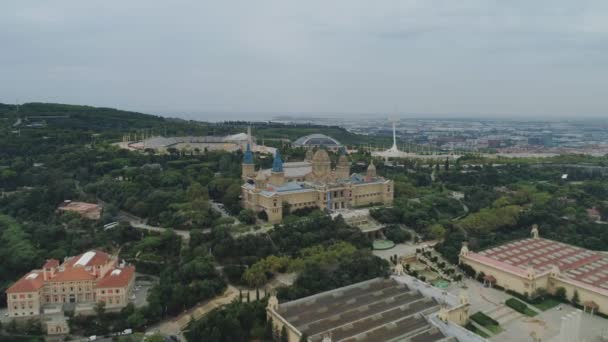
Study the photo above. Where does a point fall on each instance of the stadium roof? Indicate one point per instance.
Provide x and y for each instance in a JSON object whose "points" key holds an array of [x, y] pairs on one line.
{"points": [[317, 140]]}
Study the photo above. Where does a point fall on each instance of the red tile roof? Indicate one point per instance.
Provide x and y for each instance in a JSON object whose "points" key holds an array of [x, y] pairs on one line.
{"points": [[30, 282], [73, 274], [98, 259], [118, 277], [50, 263], [575, 263]]}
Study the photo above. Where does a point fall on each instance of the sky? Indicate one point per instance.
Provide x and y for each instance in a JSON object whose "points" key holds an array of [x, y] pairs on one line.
{"points": [[424, 58]]}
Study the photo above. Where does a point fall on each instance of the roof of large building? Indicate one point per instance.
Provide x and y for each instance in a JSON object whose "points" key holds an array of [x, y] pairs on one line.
{"points": [[118, 277], [72, 274], [374, 310], [90, 258], [576, 263], [50, 263], [317, 140], [30, 282], [292, 170]]}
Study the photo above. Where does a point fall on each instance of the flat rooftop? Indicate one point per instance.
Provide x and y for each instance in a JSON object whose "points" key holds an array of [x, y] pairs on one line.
{"points": [[576, 263], [374, 310]]}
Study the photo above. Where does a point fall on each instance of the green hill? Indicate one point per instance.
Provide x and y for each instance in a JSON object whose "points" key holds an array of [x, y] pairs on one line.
{"points": [[79, 117]]}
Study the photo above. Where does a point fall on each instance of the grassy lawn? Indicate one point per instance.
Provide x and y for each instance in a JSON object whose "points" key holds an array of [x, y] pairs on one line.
{"points": [[530, 313], [487, 322], [547, 304], [495, 329], [521, 307], [474, 329]]}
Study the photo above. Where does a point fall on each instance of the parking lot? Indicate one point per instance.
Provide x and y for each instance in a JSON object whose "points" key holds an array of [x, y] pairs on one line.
{"points": [[143, 284]]}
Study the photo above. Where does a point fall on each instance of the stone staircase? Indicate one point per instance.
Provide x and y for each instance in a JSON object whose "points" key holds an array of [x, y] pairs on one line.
{"points": [[503, 314]]}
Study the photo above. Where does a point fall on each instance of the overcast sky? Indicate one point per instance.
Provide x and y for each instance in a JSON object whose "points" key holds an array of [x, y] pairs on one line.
{"points": [[460, 57]]}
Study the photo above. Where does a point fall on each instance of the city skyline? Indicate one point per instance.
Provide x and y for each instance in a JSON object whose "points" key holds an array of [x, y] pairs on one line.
{"points": [[434, 58]]}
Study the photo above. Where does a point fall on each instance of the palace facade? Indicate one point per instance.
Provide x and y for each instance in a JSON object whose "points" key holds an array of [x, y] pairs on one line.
{"points": [[91, 277], [311, 183]]}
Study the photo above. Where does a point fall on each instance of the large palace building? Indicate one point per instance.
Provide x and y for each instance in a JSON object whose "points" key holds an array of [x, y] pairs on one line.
{"points": [[87, 278], [528, 265], [310, 184]]}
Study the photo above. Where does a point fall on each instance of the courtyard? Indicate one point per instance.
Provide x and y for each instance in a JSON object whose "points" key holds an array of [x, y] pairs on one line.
{"points": [[519, 327]]}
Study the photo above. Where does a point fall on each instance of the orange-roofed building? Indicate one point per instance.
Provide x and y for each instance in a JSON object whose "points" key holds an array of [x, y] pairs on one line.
{"points": [[23, 297], [115, 287], [76, 280]]}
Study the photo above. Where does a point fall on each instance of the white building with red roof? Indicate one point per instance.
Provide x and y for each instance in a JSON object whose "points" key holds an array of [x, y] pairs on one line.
{"points": [[529, 265], [87, 278]]}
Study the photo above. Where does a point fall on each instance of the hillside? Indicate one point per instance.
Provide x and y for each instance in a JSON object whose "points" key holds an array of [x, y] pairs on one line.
{"points": [[43, 118], [79, 117]]}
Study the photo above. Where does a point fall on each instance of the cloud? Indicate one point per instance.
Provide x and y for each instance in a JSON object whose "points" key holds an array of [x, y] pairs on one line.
{"points": [[349, 56]]}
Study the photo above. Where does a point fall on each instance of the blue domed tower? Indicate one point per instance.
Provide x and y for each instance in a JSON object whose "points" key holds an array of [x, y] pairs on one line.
{"points": [[277, 177], [248, 166]]}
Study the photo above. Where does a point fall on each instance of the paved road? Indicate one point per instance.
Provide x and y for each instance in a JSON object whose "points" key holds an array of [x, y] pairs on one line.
{"points": [[220, 208], [183, 233], [138, 222], [175, 326]]}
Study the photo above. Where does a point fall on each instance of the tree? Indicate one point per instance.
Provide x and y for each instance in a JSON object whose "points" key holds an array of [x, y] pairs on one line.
{"points": [[33, 327], [437, 232], [575, 297], [397, 234], [263, 216], [269, 329], [100, 309], [247, 216], [447, 164], [560, 293], [12, 326], [284, 336], [155, 338], [304, 337], [136, 320], [541, 292]]}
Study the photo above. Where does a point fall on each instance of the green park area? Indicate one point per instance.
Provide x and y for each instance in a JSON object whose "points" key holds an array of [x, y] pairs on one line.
{"points": [[197, 252], [486, 322]]}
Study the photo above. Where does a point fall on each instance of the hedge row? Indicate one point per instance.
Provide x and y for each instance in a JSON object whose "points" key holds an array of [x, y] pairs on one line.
{"points": [[483, 319], [516, 305]]}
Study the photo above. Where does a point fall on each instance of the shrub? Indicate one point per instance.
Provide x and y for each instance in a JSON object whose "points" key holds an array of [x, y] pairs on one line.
{"points": [[468, 270], [516, 305], [397, 234], [483, 319]]}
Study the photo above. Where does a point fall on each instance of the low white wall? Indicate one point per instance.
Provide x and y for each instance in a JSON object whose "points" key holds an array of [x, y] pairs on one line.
{"points": [[427, 290]]}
